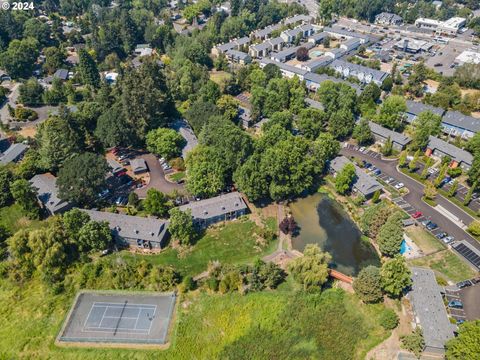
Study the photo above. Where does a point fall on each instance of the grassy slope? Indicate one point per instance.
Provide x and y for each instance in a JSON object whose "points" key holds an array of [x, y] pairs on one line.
{"points": [[276, 323], [14, 218], [234, 244]]}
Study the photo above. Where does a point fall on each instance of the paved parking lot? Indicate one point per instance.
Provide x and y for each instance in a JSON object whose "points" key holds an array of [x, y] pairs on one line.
{"points": [[454, 294]]}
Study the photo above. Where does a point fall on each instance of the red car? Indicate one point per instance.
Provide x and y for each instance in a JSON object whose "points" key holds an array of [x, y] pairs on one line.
{"points": [[121, 173], [417, 215]]}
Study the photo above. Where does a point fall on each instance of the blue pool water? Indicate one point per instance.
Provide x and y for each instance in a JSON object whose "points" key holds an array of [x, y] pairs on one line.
{"points": [[404, 247]]}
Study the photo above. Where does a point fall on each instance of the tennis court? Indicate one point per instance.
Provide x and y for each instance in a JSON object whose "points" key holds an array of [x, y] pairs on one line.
{"points": [[125, 318]]}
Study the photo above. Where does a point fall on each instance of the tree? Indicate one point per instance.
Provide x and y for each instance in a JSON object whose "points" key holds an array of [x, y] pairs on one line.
{"points": [[228, 107], [441, 175], [82, 178], [389, 319], [425, 172], [412, 166], [250, 178], [6, 178], [181, 226], [414, 342], [73, 220], [20, 57], [30, 93], [4, 235], [396, 276], [58, 141], [371, 92], [453, 189], [368, 284], [288, 225], [87, 69], [156, 203], [341, 123], [265, 276], [392, 112], [133, 199], [311, 270], [302, 54], [344, 179], [362, 132], [426, 124], [390, 236], [26, 197], [113, 129], [374, 217], [402, 159], [205, 171], [474, 228], [165, 142], [310, 122], [94, 235], [54, 59], [468, 196], [199, 113], [376, 197], [387, 148], [56, 94], [429, 190], [466, 345]]}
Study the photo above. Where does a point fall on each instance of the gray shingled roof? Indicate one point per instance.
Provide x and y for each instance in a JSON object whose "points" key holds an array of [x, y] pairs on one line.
{"points": [[387, 133], [114, 165], [415, 108], [286, 67], [266, 31], [238, 54], [429, 308], [47, 192], [364, 183], [216, 206], [318, 36], [356, 69], [138, 164], [457, 119], [454, 152], [12, 153], [296, 18], [289, 51], [319, 78], [134, 227]]}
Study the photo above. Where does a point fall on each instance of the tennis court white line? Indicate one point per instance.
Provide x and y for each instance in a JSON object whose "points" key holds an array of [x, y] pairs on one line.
{"points": [[122, 305]]}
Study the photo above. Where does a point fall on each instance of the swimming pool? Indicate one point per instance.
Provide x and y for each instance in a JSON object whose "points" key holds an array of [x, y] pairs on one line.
{"points": [[404, 247]]}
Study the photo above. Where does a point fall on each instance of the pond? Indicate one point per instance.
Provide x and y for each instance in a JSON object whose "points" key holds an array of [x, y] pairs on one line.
{"points": [[322, 221]]}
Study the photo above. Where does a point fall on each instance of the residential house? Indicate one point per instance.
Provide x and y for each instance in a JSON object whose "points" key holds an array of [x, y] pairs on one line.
{"points": [[455, 123], [364, 74], [351, 44], [220, 208], [316, 63], [289, 53], [317, 38], [438, 147], [238, 57], [265, 33], [313, 81], [235, 44], [414, 108], [143, 50], [135, 231], [335, 53], [364, 184], [286, 70], [429, 311], [245, 116], [13, 154], [47, 194], [304, 19], [302, 31], [139, 166], [264, 48], [386, 18], [381, 134]]}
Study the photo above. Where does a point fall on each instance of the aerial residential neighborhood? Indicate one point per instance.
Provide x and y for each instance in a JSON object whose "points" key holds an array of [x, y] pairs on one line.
{"points": [[242, 179]]}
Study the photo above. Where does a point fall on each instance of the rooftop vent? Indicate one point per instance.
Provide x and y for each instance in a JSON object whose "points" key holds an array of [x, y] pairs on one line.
{"points": [[205, 212], [136, 231], [223, 207], [236, 204]]}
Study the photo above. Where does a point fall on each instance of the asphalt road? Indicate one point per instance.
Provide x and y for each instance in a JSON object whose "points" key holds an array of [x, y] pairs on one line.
{"points": [[414, 198], [157, 178]]}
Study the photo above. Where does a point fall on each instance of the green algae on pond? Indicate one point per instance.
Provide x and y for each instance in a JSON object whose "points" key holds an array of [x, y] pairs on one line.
{"points": [[322, 221]]}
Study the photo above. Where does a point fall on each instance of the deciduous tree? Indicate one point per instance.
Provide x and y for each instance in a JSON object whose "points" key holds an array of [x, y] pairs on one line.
{"points": [[396, 276]]}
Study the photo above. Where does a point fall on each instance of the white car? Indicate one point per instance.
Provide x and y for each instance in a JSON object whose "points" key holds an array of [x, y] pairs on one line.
{"points": [[362, 149], [399, 186], [389, 180]]}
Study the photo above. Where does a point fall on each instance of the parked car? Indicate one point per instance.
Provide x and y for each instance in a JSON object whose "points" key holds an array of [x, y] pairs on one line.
{"points": [[362, 149], [104, 193], [417, 214], [399, 186], [445, 180], [377, 172], [441, 235], [455, 304], [389, 180], [464, 284], [448, 239], [121, 173], [426, 222], [460, 321], [474, 195], [476, 280], [432, 226]]}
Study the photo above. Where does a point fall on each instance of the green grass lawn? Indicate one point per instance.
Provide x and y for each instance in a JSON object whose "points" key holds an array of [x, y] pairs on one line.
{"points": [[220, 77], [424, 240], [233, 243], [177, 176], [14, 218], [447, 264], [266, 325]]}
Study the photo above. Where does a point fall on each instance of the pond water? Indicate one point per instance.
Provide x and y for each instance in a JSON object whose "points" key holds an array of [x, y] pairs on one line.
{"points": [[322, 221]]}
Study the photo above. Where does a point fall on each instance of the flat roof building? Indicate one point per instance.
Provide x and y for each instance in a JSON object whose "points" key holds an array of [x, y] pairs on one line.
{"points": [[412, 46], [219, 208], [429, 310], [364, 183], [386, 18], [148, 233], [468, 57]]}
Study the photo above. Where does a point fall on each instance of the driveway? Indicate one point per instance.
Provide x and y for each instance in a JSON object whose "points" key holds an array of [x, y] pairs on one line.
{"points": [[12, 99], [157, 178], [414, 198]]}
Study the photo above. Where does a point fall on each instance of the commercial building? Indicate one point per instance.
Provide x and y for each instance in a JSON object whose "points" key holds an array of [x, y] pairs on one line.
{"points": [[220, 208], [364, 184], [147, 233], [448, 27], [364, 74], [381, 134], [429, 310], [47, 193], [455, 123], [440, 148], [412, 46], [468, 57], [415, 108]]}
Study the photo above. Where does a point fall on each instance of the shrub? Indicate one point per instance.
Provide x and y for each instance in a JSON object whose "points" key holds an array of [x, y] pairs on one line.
{"points": [[24, 114], [454, 172], [388, 319], [177, 163]]}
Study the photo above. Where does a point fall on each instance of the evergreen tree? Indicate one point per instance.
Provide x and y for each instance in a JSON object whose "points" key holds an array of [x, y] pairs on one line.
{"points": [[87, 68]]}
